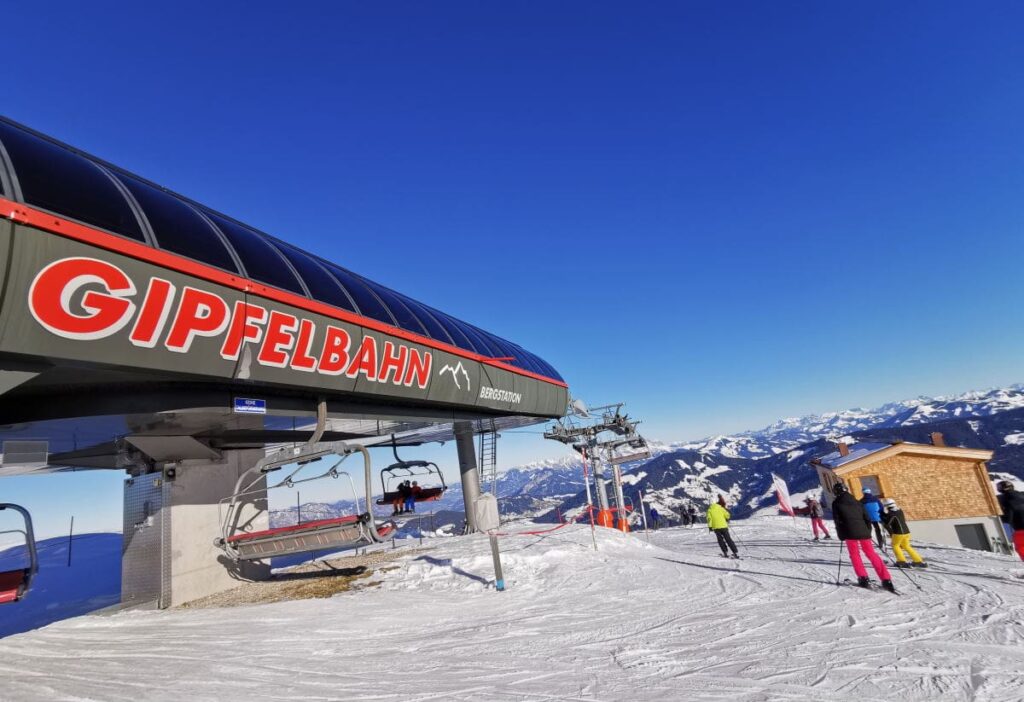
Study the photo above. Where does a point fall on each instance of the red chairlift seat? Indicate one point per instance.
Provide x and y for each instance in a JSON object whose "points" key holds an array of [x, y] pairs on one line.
{"points": [[294, 528], [425, 495], [339, 533], [13, 585]]}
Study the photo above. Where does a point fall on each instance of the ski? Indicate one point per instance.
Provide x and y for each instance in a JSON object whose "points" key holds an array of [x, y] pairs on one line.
{"points": [[873, 586]]}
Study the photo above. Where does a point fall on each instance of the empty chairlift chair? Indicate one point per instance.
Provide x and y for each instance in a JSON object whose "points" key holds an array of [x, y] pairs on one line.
{"points": [[334, 534], [15, 584]]}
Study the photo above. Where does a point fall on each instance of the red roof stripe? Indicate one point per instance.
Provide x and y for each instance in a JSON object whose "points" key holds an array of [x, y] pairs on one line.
{"points": [[25, 214]]}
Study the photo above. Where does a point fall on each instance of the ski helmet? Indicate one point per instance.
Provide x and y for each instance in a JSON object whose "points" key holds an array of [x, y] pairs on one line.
{"points": [[838, 489], [867, 491], [1004, 486], [889, 503]]}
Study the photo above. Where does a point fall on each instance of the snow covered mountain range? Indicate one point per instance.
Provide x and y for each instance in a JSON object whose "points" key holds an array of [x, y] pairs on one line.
{"points": [[787, 434], [741, 465]]}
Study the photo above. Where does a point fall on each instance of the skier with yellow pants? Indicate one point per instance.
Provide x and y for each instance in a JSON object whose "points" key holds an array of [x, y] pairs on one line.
{"points": [[896, 524]]}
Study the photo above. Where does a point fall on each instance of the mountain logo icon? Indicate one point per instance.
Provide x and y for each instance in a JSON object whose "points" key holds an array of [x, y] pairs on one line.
{"points": [[457, 372]]}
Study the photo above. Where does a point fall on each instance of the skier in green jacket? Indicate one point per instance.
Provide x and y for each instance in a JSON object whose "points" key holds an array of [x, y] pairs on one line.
{"points": [[718, 522]]}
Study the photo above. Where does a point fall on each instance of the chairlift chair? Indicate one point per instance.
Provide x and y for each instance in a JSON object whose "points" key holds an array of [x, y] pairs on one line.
{"points": [[402, 470], [15, 584], [335, 534]]}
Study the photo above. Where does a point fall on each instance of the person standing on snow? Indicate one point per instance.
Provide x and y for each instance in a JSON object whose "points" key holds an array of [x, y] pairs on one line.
{"points": [[817, 514], [854, 528], [654, 518], [873, 506], [896, 524], [691, 511], [1012, 504], [718, 522]]}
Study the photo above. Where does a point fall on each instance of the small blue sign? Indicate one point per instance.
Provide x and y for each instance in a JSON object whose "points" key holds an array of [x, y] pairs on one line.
{"points": [[246, 405]]}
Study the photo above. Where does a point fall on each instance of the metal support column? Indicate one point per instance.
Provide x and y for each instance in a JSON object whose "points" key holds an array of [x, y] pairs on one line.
{"points": [[464, 444], [620, 499], [600, 485], [499, 576]]}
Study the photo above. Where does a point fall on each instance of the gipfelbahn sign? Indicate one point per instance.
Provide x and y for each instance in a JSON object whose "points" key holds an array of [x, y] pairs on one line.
{"points": [[72, 294], [85, 299]]}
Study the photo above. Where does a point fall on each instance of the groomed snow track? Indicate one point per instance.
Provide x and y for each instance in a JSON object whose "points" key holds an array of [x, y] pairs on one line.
{"points": [[666, 621]]}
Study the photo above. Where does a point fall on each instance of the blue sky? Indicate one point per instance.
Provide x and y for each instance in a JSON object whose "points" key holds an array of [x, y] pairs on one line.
{"points": [[722, 213]]}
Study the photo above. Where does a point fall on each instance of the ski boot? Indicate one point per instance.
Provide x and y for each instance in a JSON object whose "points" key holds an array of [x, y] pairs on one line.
{"points": [[887, 585], [736, 556], [827, 537], [725, 555], [864, 582], [922, 564], [902, 564], [815, 539]]}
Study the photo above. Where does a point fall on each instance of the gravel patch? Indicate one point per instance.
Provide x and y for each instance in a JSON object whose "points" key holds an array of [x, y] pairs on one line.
{"points": [[319, 579]]}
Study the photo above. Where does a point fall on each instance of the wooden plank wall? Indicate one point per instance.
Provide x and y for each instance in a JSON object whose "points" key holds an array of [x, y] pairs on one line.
{"points": [[932, 487]]}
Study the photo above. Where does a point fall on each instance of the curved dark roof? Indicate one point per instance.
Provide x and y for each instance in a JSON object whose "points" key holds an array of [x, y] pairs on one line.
{"points": [[52, 176]]}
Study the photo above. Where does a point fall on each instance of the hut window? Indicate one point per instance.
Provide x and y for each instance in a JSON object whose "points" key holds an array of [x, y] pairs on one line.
{"points": [[871, 482]]}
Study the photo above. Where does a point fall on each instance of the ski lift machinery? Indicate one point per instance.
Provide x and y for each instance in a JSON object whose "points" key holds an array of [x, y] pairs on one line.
{"points": [[16, 583], [410, 469], [338, 533]]}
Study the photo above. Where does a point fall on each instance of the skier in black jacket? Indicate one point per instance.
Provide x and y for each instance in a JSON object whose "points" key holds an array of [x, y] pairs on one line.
{"points": [[896, 524], [1012, 504], [854, 528]]}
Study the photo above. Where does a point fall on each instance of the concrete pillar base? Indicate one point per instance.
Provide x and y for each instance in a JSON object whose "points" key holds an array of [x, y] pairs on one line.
{"points": [[171, 521]]}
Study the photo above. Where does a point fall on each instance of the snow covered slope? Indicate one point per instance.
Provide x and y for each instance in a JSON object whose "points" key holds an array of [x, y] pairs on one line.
{"points": [[669, 620], [92, 581]]}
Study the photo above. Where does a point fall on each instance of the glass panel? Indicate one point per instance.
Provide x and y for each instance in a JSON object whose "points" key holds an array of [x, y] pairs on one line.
{"points": [[405, 318], [322, 286], [484, 348], [542, 367], [550, 369], [63, 182], [506, 349], [434, 328], [261, 260], [369, 306], [460, 339], [179, 228]]}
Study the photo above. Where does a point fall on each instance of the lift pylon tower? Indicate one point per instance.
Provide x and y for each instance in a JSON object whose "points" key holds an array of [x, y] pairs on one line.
{"points": [[608, 437]]}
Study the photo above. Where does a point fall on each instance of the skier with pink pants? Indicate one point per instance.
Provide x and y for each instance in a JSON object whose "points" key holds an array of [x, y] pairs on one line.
{"points": [[854, 528], [817, 514]]}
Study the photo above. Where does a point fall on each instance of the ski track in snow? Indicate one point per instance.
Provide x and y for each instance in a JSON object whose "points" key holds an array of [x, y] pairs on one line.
{"points": [[669, 620]]}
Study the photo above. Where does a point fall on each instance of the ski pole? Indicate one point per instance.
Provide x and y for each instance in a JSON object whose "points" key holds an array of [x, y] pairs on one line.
{"points": [[733, 534], [840, 568], [893, 564]]}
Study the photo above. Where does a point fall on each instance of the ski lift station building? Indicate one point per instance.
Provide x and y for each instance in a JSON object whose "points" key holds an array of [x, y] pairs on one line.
{"points": [[141, 331], [944, 491]]}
